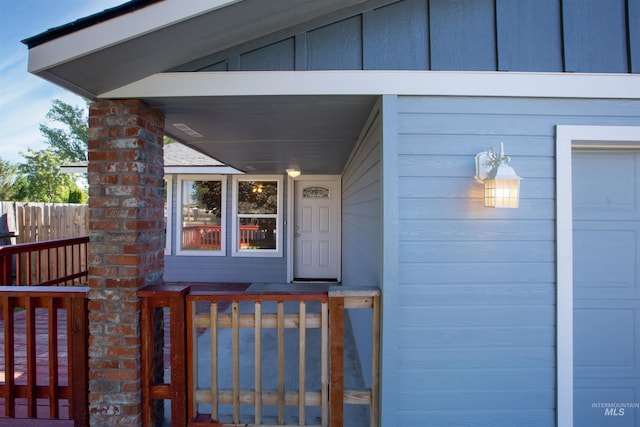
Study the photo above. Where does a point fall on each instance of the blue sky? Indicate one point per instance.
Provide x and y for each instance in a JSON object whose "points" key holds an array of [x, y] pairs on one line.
{"points": [[24, 98]]}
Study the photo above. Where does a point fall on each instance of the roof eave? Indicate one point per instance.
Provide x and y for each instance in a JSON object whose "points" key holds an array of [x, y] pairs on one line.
{"points": [[95, 56], [86, 22]]}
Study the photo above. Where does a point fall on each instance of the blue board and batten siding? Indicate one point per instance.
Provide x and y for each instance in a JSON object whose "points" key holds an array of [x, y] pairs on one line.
{"points": [[479, 35], [474, 327]]}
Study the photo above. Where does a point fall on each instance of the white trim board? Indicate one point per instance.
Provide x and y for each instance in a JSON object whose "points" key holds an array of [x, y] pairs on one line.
{"points": [[118, 30], [567, 139], [418, 83]]}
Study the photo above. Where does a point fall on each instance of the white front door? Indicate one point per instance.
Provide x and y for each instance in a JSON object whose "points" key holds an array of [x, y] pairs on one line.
{"points": [[606, 233], [316, 230]]}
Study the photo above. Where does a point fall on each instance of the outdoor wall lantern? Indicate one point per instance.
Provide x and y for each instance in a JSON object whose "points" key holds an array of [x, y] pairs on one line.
{"points": [[293, 173], [501, 183]]}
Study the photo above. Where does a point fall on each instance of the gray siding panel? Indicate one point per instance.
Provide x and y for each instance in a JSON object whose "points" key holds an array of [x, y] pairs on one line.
{"points": [[439, 295], [361, 200], [443, 418], [462, 35], [225, 269], [475, 312], [634, 35], [595, 36], [361, 227], [487, 357], [276, 57], [336, 47], [529, 35], [445, 230], [478, 35], [388, 46]]}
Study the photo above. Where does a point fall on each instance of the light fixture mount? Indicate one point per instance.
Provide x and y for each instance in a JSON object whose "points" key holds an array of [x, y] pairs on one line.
{"points": [[501, 183]]}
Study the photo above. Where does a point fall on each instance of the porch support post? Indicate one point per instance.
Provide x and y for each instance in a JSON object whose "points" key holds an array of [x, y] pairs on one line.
{"points": [[126, 230], [336, 361]]}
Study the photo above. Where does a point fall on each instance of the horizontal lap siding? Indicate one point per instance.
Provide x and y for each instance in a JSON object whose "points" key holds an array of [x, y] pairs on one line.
{"points": [[361, 228], [361, 198], [475, 326], [224, 269]]}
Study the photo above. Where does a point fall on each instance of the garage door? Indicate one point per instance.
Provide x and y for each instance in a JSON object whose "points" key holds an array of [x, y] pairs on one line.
{"points": [[606, 227]]}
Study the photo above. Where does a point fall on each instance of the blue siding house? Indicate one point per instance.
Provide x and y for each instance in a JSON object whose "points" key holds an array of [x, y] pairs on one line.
{"points": [[490, 317]]}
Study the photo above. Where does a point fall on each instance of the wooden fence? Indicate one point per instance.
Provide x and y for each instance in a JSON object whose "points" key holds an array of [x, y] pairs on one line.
{"points": [[37, 222]]}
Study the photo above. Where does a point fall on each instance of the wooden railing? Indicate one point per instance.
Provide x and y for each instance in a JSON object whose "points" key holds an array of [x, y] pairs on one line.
{"points": [[52, 262], [209, 237], [248, 331], [201, 237], [247, 235], [31, 374], [274, 392]]}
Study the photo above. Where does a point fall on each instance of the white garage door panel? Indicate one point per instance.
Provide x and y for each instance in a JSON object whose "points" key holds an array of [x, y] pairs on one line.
{"points": [[609, 256], [610, 349], [596, 412], [604, 183], [606, 261]]}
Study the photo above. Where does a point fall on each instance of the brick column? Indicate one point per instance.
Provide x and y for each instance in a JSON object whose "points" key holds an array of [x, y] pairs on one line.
{"points": [[126, 198]]}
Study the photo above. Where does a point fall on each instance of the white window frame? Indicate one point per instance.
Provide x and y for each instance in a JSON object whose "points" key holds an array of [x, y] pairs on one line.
{"points": [[273, 253], [569, 138], [168, 182], [223, 217]]}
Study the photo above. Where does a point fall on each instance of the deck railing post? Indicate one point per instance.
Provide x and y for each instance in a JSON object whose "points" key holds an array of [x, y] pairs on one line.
{"points": [[353, 298], [171, 297], [9, 366], [6, 268], [78, 350], [336, 361]]}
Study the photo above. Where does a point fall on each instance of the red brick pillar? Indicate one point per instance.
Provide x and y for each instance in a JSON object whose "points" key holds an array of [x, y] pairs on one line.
{"points": [[126, 198]]}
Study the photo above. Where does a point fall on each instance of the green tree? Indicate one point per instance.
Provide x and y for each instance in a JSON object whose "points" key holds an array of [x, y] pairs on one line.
{"points": [[69, 141], [13, 186], [76, 196], [45, 182]]}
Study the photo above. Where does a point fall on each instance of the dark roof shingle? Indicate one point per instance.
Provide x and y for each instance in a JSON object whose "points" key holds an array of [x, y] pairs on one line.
{"points": [[86, 22]]}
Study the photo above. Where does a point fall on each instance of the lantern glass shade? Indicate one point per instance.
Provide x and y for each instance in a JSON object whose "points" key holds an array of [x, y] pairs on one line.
{"points": [[502, 188]]}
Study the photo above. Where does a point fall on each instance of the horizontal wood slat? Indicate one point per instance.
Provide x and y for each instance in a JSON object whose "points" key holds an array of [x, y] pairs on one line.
{"points": [[245, 320]]}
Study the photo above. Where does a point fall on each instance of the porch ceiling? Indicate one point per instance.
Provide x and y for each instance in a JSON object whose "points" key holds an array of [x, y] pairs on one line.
{"points": [[268, 134]]}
